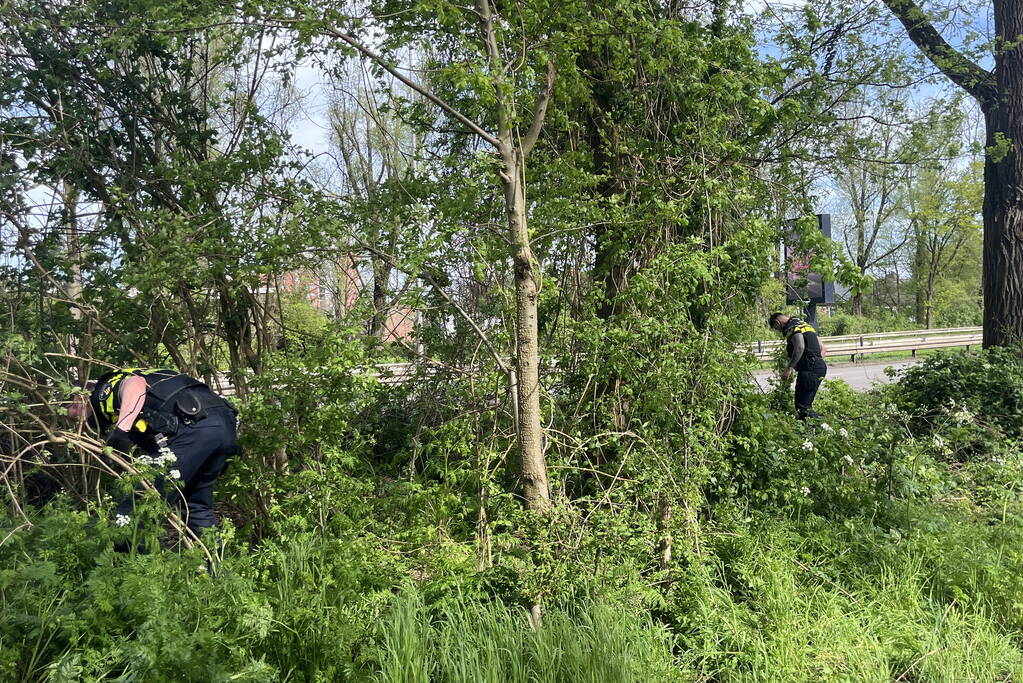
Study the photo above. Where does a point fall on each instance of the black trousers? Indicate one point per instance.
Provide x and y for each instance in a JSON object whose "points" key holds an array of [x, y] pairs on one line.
{"points": [[807, 383], [200, 452]]}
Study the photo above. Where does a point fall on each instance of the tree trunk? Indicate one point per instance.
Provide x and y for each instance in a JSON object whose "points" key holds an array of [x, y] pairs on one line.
{"points": [[609, 266], [525, 381], [527, 346], [1003, 214], [1000, 94], [932, 277], [919, 266], [80, 346], [857, 304], [381, 276]]}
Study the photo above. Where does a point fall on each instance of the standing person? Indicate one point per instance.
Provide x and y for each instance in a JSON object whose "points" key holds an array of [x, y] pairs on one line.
{"points": [[177, 421], [806, 357]]}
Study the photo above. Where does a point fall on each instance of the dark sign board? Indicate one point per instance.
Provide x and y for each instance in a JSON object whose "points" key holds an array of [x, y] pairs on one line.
{"points": [[803, 285]]}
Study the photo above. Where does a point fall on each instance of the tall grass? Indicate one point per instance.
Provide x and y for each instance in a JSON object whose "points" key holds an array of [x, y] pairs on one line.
{"points": [[778, 612], [474, 641]]}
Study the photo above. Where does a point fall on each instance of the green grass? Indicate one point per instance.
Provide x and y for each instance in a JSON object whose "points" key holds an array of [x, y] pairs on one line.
{"points": [[473, 641], [813, 601]]}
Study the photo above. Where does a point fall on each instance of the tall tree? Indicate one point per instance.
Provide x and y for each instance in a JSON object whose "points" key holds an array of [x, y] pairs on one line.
{"points": [[503, 107], [999, 92], [869, 174], [943, 210]]}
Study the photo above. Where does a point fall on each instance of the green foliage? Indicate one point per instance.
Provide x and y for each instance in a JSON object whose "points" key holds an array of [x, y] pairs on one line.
{"points": [[966, 389], [839, 324], [374, 531], [470, 640]]}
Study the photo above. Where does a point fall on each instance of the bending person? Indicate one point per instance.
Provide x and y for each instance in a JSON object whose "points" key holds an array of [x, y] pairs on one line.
{"points": [[182, 427], [806, 357]]}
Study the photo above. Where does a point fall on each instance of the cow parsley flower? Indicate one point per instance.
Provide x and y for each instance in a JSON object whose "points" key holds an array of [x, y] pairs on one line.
{"points": [[805, 491], [166, 457], [826, 427], [962, 416], [122, 520], [844, 433], [807, 445]]}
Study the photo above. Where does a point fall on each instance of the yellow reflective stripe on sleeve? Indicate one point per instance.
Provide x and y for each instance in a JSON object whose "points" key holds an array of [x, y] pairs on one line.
{"points": [[801, 328], [111, 394], [141, 425]]}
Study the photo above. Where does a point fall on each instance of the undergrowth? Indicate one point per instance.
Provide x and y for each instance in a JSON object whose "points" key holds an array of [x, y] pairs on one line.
{"points": [[877, 544]]}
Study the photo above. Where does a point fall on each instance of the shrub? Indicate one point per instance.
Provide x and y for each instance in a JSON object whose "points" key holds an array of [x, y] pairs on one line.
{"points": [[843, 323], [959, 387]]}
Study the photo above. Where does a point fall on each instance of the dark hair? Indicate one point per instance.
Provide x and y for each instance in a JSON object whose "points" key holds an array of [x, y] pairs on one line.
{"points": [[774, 316]]}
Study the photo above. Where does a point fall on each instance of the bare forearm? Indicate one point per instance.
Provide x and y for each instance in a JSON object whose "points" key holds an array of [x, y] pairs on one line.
{"points": [[798, 348], [133, 396]]}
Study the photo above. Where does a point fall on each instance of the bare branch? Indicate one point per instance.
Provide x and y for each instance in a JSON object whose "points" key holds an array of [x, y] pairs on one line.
{"points": [[424, 91], [539, 112]]}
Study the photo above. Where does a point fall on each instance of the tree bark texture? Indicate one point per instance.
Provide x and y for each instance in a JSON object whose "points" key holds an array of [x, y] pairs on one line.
{"points": [[1000, 94], [527, 346], [526, 380], [1003, 221]]}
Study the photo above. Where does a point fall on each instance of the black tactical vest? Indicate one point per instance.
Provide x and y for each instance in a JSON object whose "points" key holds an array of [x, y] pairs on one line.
{"points": [[812, 346], [171, 398]]}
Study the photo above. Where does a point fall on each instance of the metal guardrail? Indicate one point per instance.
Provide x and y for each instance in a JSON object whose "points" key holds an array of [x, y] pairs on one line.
{"points": [[852, 345], [855, 345]]}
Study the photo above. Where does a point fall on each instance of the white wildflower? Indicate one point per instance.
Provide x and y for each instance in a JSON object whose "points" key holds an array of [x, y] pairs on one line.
{"points": [[962, 416], [849, 459], [122, 520], [808, 445], [175, 474], [826, 427], [805, 491], [844, 433], [938, 441], [166, 457]]}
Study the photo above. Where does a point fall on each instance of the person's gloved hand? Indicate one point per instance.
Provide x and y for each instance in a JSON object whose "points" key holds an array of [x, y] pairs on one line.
{"points": [[119, 440]]}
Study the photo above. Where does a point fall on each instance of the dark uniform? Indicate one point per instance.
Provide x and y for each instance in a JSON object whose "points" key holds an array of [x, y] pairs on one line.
{"points": [[185, 430], [810, 366]]}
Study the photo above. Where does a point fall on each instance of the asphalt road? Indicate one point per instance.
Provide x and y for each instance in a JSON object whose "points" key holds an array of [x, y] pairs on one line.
{"points": [[860, 376]]}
